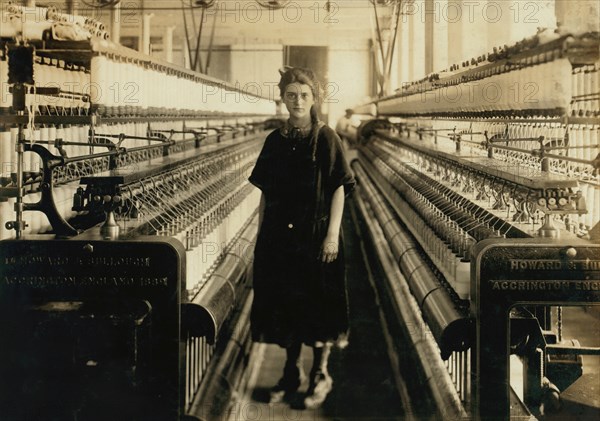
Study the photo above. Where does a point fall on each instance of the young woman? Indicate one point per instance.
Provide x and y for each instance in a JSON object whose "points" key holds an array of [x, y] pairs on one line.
{"points": [[299, 279]]}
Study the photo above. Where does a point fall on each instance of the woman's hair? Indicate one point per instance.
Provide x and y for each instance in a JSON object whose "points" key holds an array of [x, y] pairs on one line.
{"points": [[304, 76], [300, 75]]}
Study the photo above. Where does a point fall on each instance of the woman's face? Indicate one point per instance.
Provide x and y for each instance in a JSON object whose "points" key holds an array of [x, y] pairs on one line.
{"points": [[298, 99]]}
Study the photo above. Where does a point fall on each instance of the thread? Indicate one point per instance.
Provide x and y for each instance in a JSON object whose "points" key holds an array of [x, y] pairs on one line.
{"points": [[7, 213], [14, 134], [99, 79], [5, 95], [5, 153]]}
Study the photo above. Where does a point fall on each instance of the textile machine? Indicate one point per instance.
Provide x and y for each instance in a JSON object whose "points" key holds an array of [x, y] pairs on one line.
{"points": [[480, 189], [127, 231]]}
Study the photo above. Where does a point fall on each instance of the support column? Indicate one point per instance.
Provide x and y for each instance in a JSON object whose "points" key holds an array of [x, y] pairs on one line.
{"points": [[385, 42], [417, 37], [500, 22], [394, 82], [527, 17], [581, 17], [146, 33], [469, 23], [186, 56], [71, 7], [403, 52], [436, 36], [578, 17], [509, 22], [452, 14], [474, 28], [115, 23], [428, 16], [168, 43]]}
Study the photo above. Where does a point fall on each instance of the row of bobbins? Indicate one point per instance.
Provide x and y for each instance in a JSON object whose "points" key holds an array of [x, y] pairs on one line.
{"points": [[117, 87], [122, 86], [544, 86], [586, 91]]}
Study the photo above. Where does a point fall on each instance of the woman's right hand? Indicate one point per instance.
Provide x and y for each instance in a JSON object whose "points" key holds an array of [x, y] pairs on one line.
{"points": [[329, 249]]}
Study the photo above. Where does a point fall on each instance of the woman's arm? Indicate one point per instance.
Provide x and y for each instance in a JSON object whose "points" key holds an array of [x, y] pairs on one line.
{"points": [[330, 248]]}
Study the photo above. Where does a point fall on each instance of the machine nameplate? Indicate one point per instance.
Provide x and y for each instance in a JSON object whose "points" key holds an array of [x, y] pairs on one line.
{"points": [[553, 285], [523, 271], [111, 261], [524, 264], [47, 282]]}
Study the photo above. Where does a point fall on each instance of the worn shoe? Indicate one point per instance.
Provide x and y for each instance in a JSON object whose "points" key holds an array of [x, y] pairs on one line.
{"points": [[317, 393], [286, 386]]}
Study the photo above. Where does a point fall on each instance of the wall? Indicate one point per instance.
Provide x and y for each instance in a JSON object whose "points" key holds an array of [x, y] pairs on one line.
{"points": [[251, 66], [350, 77]]}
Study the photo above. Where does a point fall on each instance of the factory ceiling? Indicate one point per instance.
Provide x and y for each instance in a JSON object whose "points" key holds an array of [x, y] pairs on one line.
{"points": [[296, 22]]}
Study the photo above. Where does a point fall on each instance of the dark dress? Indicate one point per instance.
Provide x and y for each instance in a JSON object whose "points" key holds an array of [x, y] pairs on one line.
{"points": [[297, 298]]}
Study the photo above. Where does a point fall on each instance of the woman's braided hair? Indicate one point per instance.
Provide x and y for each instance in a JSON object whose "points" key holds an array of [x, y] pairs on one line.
{"points": [[306, 77]]}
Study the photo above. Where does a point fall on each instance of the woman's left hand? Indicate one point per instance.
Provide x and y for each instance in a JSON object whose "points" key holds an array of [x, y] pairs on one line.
{"points": [[329, 249]]}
